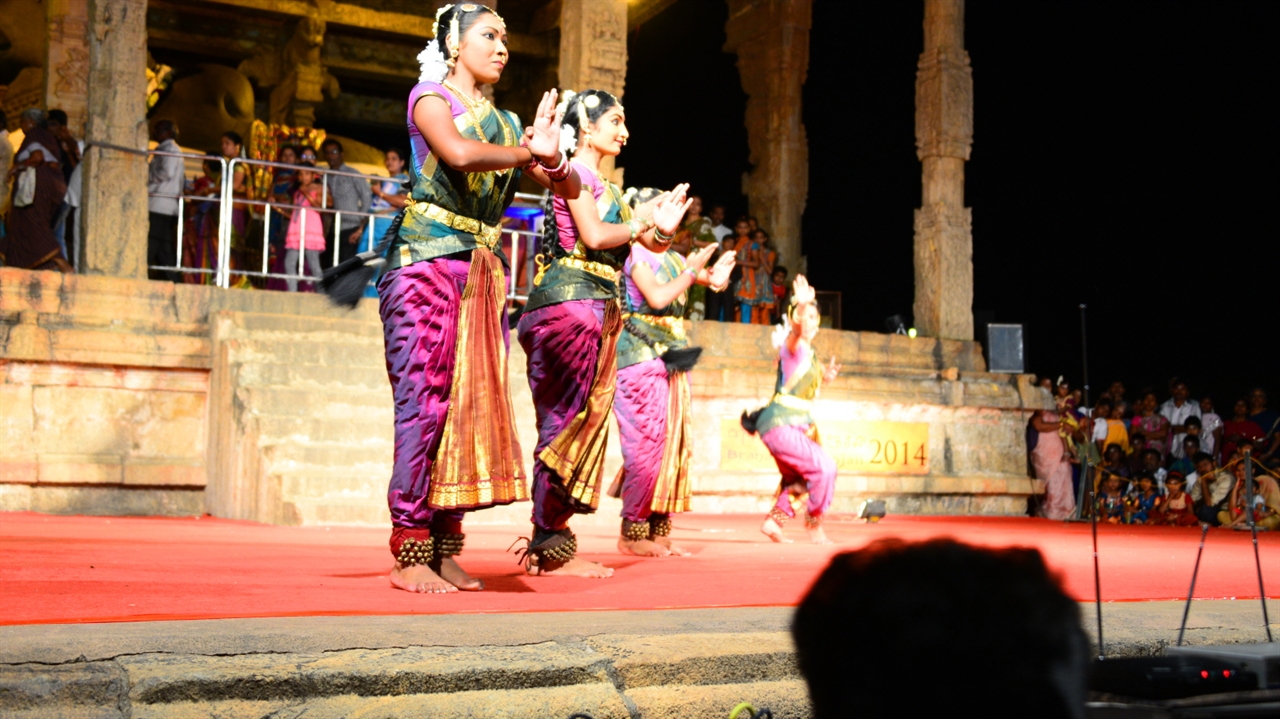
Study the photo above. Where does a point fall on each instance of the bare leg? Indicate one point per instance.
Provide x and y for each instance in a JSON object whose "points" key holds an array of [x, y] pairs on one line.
{"points": [[675, 549], [419, 578], [817, 536], [773, 530]]}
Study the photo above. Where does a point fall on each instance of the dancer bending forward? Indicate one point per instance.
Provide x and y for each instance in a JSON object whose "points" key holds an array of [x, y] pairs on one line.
{"points": [[570, 328], [442, 299], [653, 407], [786, 426]]}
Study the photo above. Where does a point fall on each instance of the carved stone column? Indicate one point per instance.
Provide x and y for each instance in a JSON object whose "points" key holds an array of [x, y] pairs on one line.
{"points": [[944, 134], [771, 39], [114, 200], [593, 49], [66, 82]]}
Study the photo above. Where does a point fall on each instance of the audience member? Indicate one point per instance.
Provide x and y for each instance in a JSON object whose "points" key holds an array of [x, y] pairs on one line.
{"points": [[166, 178], [1113, 462], [389, 196], [1111, 500], [1269, 421], [70, 150], [1211, 490], [1239, 428], [694, 234], [282, 193], [1178, 509], [350, 195], [1151, 463], [1177, 409], [780, 293], [720, 305], [979, 612], [1190, 448], [38, 191], [307, 153], [753, 278], [717, 223], [1154, 426], [1145, 500], [1052, 466], [1210, 426], [1266, 502], [306, 229], [1137, 448]]}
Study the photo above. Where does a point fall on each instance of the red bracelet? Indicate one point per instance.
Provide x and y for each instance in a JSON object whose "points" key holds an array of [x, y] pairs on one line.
{"points": [[560, 172]]}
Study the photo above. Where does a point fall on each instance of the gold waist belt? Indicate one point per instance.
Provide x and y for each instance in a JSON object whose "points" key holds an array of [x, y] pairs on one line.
{"points": [[791, 401], [488, 236], [671, 323], [599, 269]]}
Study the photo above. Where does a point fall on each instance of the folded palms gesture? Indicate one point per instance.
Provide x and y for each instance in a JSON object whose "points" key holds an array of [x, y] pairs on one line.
{"points": [[670, 209], [722, 269], [544, 136]]}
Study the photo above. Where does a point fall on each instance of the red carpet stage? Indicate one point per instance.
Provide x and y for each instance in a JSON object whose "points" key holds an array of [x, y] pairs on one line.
{"points": [[98, 569]]}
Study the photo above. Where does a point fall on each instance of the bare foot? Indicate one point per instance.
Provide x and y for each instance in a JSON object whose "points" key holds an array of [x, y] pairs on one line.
{"points": [[642, 548], [419, 578], [576, 567], [458, 577], [818, 536], [675, 549], [773, 531]]}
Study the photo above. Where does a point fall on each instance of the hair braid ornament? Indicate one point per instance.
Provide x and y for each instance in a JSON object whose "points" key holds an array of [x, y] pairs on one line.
{"points": [[431, 60]]}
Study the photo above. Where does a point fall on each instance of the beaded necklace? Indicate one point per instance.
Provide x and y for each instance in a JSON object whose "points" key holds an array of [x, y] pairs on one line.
{"points": [[470, 103]]}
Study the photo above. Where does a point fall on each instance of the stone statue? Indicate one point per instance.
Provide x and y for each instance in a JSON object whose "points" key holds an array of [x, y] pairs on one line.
{"points": [[216, 100], [297, 75]]}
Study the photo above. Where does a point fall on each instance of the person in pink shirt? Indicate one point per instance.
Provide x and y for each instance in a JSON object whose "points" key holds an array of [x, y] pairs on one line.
{"points": [[306, 230]]}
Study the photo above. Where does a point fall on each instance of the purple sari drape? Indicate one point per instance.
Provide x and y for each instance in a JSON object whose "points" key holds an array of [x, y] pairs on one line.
{"points": [[562, 342], [640, 407], [802, 461]]}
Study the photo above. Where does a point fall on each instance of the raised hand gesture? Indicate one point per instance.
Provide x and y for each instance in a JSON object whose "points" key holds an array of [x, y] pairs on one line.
{"points": [[644, 210], [697, 260], [723, 268], [544, 136], [831, 370], [670, 209], [801, 292]]}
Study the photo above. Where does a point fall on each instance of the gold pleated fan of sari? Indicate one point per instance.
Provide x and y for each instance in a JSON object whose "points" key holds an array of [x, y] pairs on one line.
{"points": [[479, 461], [673, 489]]}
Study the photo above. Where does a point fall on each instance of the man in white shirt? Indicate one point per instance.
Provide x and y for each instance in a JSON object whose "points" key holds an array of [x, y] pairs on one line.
{"points": [[717, 223], [165, 178], [1177, 410]]}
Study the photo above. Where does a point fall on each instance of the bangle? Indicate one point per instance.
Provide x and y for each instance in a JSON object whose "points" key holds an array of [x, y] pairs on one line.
{"points": [[636, 228], [693, 274], [657, 232], [560, 172]]}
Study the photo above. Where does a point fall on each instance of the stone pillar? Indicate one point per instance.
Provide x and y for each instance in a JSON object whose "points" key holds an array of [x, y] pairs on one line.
{"points": [[67, 79], [944, 134], [771, 39], [114, 195], [593, 49]]}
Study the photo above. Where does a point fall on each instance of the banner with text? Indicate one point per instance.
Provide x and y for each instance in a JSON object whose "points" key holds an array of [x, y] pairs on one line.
{"points": [[858, 447]]}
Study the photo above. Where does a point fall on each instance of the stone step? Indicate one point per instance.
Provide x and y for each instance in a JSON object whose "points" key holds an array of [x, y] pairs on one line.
{"points": [[368, 511], [258, 324], [337, 431], [305, 351], [302, 457], [272, 374], [289, 402]]}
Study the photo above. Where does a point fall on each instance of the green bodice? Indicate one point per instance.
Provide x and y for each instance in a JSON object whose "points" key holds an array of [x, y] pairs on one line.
{"points": [[791, 405], [648, 333]]}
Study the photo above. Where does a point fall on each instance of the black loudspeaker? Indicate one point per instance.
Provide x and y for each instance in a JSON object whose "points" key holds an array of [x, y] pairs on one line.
{"points": [[1004, 348]]}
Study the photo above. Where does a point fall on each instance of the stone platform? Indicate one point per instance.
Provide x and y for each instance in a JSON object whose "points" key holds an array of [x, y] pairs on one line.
{"points": [[689, 664], [134, 397]]}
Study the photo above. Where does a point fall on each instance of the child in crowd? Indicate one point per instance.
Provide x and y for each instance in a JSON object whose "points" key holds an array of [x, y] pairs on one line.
{"points": [[1190, 448], [1178, 509], [1145, 502], [307, 193], [779, 292], [1151, 463], [1210, 427], [1113, 461], [1111, 500], [1137, 445]]}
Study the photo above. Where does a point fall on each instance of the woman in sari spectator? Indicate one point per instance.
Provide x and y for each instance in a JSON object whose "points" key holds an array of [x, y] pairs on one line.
{"points": [[1052, 467], [1153, 425], [199, 237], [29, 242]]}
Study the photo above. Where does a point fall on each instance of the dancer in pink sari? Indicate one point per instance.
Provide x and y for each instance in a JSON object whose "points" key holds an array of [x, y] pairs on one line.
{"points": [[442, 299], [652, 404], [786, 426]]}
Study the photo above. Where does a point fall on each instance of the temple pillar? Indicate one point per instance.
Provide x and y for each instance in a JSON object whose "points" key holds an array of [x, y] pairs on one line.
{"points": [[114, 196], [944, 135], [771, 39], [593, 50], [67, 81]]}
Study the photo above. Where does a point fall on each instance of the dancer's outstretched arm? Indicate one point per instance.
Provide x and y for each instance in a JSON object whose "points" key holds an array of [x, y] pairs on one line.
{"points": [[433, 117], [658, 294], [600, 235]]}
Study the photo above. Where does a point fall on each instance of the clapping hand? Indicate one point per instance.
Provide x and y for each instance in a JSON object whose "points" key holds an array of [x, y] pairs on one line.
{"points": [[544, 136], [831, 370], [698, 260], [722, 269], [671, 208], [644, 210]]}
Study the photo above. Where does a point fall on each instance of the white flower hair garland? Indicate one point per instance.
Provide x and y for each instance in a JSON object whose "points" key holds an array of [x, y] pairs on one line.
{"points": [[780, 331], [431, 59], [568, 138]]}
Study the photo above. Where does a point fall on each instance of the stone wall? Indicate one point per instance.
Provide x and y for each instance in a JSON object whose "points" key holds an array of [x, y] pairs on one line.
{"points": [[106, 407]]}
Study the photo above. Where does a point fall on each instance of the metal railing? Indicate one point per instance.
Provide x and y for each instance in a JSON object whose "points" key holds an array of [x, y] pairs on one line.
{"points": [[520, 245]]}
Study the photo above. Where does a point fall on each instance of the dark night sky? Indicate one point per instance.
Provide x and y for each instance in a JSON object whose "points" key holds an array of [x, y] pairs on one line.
{"points": [[1123, 157]]}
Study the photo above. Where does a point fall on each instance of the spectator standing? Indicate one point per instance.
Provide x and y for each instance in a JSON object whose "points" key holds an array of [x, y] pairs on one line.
{"points": [[718, 228], [1210, 426], [780, 293], [389, 196], [1240, 428], [350, 195], [1051, 465], [282, 194], [307, 193], [1153, 425], [165, 180], [6, 163], [720, 307], [232, 147], [694, 235], [1177, 409], [29, 242]]}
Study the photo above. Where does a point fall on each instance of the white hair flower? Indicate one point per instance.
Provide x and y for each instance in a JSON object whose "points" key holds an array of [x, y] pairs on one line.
{"points": [[568, 139], [780, 332], [432, 62]]}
